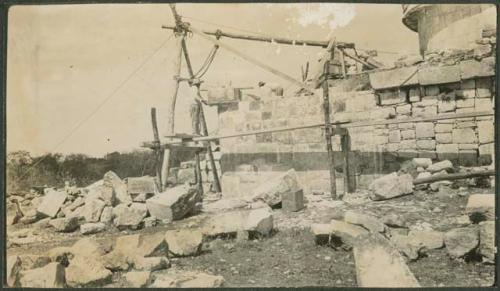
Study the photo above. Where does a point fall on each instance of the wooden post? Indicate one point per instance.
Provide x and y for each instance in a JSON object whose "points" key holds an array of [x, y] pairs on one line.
{"points": [[328, 135], [342, 62], [203, 123], [349, 181], [171, 108], [157, 151]]}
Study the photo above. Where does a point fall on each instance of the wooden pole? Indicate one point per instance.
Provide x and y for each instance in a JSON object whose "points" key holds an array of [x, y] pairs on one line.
{"points": [[157, 152], [253, 60], [328, 135], [280, 40], [203, 123], [171, 108], [349, 180], [456, 176]]}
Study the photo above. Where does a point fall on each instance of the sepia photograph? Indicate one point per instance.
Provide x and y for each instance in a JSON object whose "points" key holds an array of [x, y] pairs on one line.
{"points": [[257, 145]]}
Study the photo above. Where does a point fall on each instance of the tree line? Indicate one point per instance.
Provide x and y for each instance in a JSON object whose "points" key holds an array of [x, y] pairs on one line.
{"points": [[53, 169]]}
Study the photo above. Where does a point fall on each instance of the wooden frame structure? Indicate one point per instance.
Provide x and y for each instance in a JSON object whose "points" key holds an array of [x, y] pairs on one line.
{"points": [[198, 143]]}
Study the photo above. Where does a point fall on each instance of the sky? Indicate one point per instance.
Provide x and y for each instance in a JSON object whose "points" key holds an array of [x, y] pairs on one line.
{"points": [[73, 83]]}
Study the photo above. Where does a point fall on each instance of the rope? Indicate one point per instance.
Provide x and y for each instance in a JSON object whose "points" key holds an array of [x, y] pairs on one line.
{"points": [[99, 106]]}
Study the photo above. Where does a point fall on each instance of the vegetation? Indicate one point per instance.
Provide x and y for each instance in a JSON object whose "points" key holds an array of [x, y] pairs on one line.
{"points": [[25, 171]]}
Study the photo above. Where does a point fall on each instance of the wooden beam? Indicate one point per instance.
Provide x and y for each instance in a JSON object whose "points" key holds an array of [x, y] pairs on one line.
{"points": [[342, 125], [328, 133], [253, 60], [171, 107], [455, 176], [280, 40], [157, 152]]}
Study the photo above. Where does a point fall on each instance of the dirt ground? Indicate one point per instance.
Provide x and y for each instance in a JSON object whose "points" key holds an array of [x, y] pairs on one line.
{"points": [[290, 257]]}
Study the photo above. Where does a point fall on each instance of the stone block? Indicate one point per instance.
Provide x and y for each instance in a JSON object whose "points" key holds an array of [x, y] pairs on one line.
{"points": [[466, 93], [258, 220], [394, 136], [446, 106], [407, 134], [13, 267], [130, 216], [426, 144], [472, 69], [424, 130], [139, 185], [438, 75], [51, 203], [403, 109], [483, 88], [465, 124], [487, 247], [65, 224], [486, 131], [184, 242], [187, 279], [468, 146], [174, 203], [483, 104], [461, 241], [447, 151], [409, 144], [481, 207], [445, 165], [486, 153], [379, 264], [443, 137], [464, 135], [424, 111], [92, 227], [408, 125], [292, 201], [272, 190], [92, 209], [463, 103], [467, 158], [390, 186], [49, 276], [367, 221], [432, 90], [469, 83], [427, 154]]}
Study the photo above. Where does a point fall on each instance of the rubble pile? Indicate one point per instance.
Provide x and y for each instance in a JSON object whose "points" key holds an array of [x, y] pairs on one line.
{"points": [[130, 204]]}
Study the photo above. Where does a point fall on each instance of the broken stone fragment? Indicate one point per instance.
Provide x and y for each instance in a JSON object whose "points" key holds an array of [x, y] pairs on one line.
{"points": [[130, 216], [187, 279], [103, 192], [224, 204], [441, 166], [394, 220], [367, 221], [67, 224], [119, 187], [174, 203], [481, 207], [13, 268], [410, 248], [430, 239], [31, 216], [92, 227], [337, 233], [138, 279], [106, 215], [49, 276], [461, 241], [292, 201], [487, 241], [391, 186], [150, 263], [258, 220], [379, 264], [422, 162], [184, 242], [115, 261], [152, 245], [93, 209], [34, 261], [87, 271], [271, 191], [89, 247], [141, 185], [52, 202]]}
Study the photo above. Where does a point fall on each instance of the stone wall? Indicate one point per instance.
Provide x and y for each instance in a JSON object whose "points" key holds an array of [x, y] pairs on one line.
{"points": [[375, 149]]}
